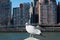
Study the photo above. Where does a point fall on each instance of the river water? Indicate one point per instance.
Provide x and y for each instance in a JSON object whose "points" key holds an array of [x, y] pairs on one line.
{"points": [[22, 36]]}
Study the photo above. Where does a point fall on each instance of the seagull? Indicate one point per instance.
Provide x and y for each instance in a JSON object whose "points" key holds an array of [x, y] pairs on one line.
{"points": [[32, 30]]}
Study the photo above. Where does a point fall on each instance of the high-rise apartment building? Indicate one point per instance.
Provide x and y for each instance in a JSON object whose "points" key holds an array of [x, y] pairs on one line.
{"points": [[34, 15], [58, 13], [46, 1], [16, 16], [24, 13], [31, 9], [5, 12], [21, 14], [52, 15], [46, 12]]}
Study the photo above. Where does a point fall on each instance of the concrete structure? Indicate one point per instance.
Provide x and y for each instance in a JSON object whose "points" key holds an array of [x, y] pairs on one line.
{"points": [[34, 15], [49, 13], [31, 38], [52, 13], [24, 13], [5, 12], [16, 16], [31, 9], [21, 14], [11, 21], [58, 13], [52, 0], [46, 12]]}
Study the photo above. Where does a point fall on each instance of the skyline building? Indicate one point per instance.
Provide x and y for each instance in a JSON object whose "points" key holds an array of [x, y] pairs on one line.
{"points": [[16, 16], [24, 13], [46, 12], [21, 14], [34, 15], [5, 12], [47, 1], [58, 13]]}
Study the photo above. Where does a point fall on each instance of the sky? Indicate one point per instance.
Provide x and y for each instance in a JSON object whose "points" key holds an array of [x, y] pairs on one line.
{"points": [[15, 3]]}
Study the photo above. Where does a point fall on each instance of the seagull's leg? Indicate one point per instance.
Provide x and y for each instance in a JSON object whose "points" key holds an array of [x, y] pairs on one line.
{"points": [[30, 35]]}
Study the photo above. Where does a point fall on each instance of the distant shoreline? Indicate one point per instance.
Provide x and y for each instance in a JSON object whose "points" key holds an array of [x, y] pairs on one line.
{"points": [[43, 29]]}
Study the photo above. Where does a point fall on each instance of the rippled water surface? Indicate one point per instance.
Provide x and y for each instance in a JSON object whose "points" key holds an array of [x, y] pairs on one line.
{"points": [[22, 36]]}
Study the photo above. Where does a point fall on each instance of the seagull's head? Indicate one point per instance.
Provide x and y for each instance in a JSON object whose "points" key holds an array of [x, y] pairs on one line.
{"points": [[26, 23]]}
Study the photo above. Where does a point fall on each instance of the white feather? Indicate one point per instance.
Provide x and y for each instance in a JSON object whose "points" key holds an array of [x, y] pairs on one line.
{"points": [[32, 30]]}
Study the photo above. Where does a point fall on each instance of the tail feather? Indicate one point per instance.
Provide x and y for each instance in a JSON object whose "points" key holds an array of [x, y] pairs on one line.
{"points": [[38, 31]]}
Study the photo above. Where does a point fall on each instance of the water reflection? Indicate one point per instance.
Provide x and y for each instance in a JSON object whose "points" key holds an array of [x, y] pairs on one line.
{"points": [[22, 36]]}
